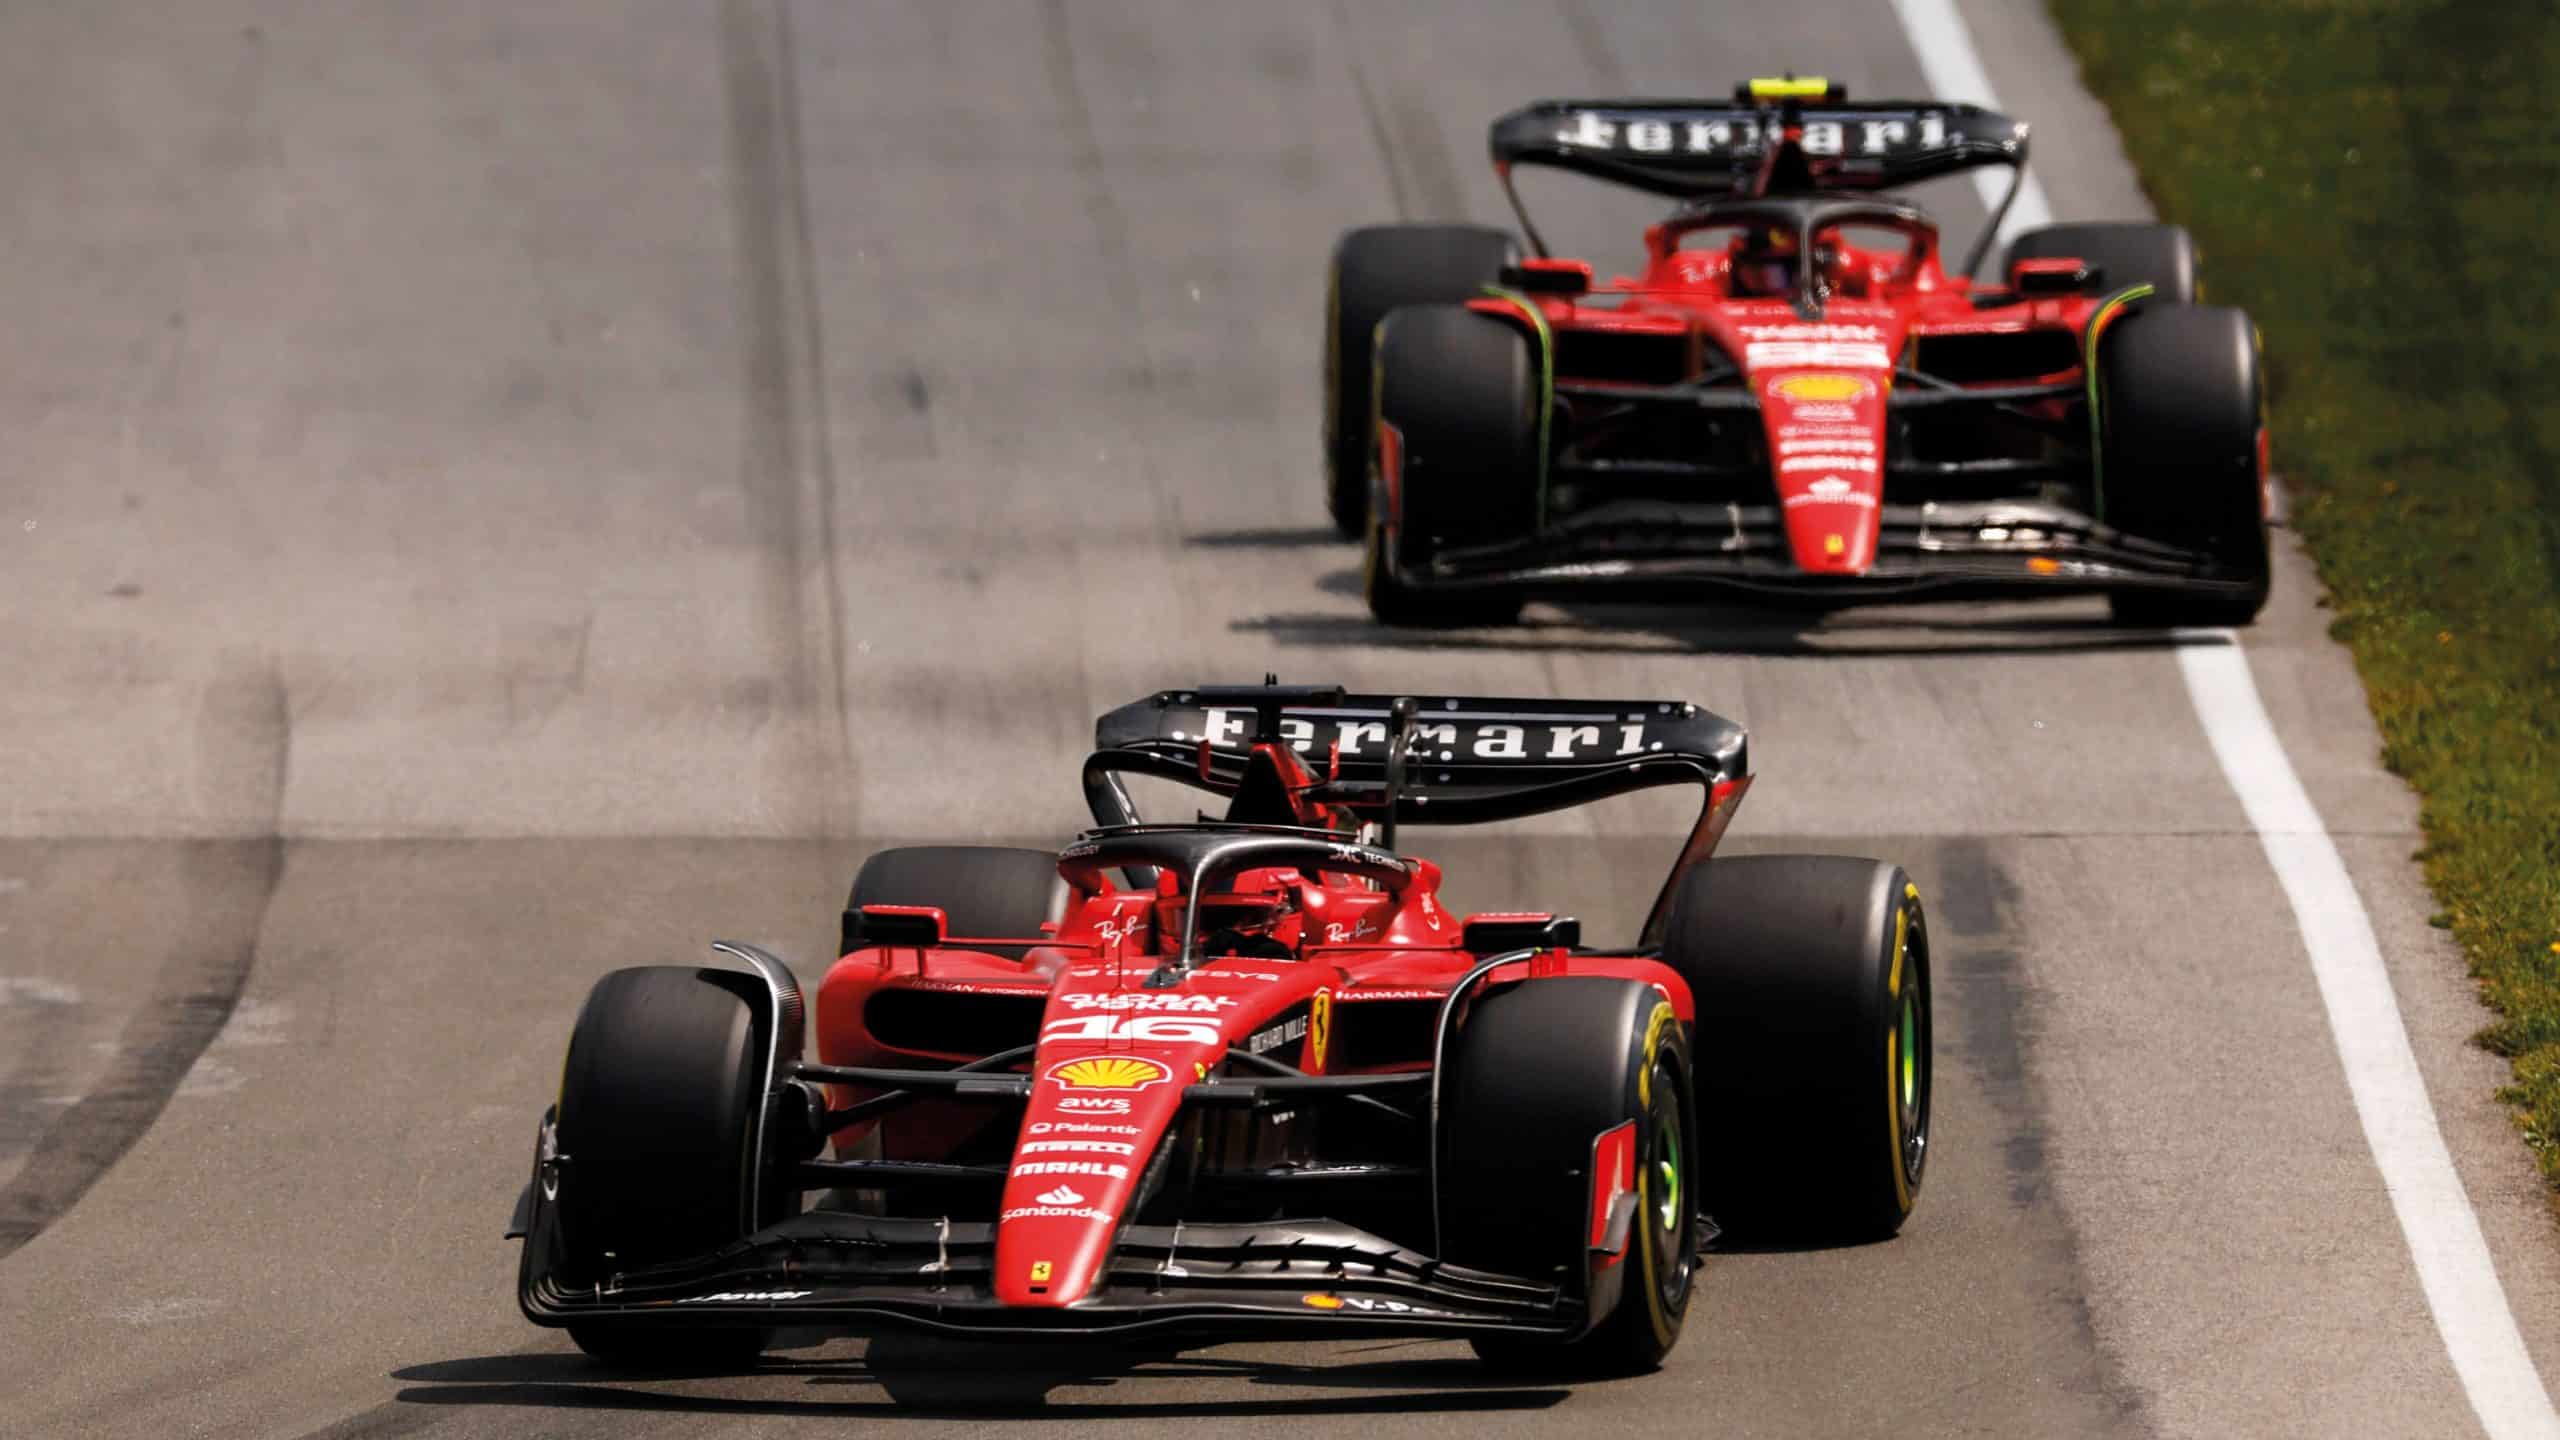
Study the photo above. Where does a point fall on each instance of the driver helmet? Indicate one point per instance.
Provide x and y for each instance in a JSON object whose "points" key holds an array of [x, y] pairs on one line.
{"points": [[1254, 919], [1764, 260]]}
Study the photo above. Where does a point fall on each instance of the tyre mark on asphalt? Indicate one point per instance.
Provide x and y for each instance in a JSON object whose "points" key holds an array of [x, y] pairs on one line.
{"points": [[39, 1022], [1371, 115], [1102, 208], [789, 468], [1995, 1029], [1588, 38], [245, 734], [1425, 148]]}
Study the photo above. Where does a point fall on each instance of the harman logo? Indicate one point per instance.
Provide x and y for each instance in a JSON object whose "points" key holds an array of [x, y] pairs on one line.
{"points": [[737, 1295], [1109, 1072]]}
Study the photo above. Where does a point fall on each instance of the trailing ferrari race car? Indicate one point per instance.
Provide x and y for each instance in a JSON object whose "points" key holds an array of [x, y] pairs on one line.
{"points": [[1796, 397], [1247, 1076]]}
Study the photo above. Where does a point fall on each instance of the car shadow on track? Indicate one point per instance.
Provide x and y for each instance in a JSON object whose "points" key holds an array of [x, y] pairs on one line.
{"points": [[2058, 627], [921, 1376], [1270, 537]]}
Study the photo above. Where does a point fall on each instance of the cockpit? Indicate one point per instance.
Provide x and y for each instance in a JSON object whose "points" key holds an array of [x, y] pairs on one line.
{"points": [[1261, 917], [1224, 890], [1808, 250]]}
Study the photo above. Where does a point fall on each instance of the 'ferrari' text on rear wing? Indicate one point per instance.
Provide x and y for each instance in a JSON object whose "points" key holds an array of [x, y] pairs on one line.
{"points": [[1693, 149], [1464, 742]]}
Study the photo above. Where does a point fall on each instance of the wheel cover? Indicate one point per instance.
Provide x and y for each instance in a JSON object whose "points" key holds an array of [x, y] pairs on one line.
{"points": [[1666, 1218], [1908, 1050], [1666, 1170]]}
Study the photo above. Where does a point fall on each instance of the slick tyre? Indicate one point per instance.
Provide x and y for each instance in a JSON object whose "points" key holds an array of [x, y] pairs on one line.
{"points": [[1375, 271], [2181, 422], [2123, 254], [1464, 397], [658, 1104], [981, 889], [1537, 1076], [1810, 975]]}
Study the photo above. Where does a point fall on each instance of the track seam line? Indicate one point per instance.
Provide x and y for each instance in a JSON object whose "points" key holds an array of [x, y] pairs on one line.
{"points": [[2455, 1269]]}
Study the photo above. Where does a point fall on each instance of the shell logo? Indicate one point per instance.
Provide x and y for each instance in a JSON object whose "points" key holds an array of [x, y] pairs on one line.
{"points": [[1109, 1072], [1821, 387]]}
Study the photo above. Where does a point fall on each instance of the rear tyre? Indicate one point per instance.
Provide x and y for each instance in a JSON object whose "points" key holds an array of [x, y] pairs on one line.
{"points": [[1463, 394], [1538, 1074], [1376, 270], [2180, 430], [658, 1103], [2124, 253], [980, 889], [1811, 980]]}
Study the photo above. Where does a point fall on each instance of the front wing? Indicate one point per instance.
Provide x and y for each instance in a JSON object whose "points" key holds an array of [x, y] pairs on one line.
{"points": [[1935, 549], [865, 1274]]}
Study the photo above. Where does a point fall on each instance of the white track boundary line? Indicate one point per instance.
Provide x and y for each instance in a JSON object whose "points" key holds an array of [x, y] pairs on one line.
{"points": [[2436, 1219], [2452, 1256]]}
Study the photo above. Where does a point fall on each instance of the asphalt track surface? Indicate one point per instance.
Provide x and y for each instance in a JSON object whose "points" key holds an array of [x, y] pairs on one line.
{"points": [[494, 493]]}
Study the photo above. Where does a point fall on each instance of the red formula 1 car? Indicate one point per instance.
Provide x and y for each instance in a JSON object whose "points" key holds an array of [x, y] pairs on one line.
{"points": [[1247, 1076], [1795, 397]]}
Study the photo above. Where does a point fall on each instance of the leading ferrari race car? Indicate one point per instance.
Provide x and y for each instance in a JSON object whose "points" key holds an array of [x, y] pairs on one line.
{"points": [[1244, 1077], [1795, 397]]}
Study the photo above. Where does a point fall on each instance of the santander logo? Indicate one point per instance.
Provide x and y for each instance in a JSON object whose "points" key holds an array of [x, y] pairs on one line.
{"points": [[1063, 1195]]}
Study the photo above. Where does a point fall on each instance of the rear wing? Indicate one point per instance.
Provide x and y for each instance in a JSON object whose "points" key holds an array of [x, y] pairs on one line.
{"points": [[1790, 137], [1428, 760], [1469, 759]]}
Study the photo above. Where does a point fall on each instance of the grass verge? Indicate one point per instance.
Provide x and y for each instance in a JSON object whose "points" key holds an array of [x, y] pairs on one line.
{"points": [[2375, 182]]}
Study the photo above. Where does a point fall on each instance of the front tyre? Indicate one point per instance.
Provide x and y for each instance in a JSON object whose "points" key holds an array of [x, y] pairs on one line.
{"points": [[2181, 430], [658, 1103], [1811, 980], [1545, 1079], [1375, 271], [1460, 401]]}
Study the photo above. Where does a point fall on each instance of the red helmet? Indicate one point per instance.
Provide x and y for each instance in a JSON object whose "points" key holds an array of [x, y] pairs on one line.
{"points": [[1259, 919], [1765, 260]]}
